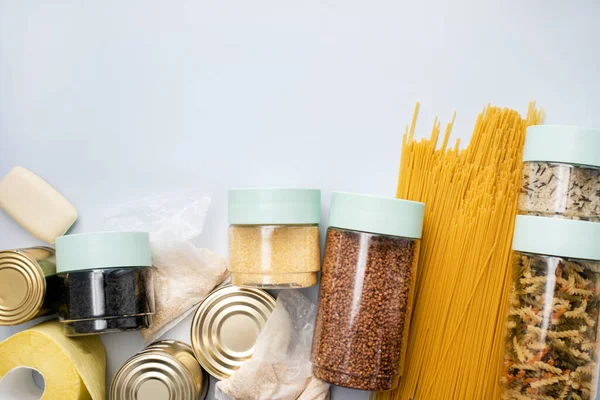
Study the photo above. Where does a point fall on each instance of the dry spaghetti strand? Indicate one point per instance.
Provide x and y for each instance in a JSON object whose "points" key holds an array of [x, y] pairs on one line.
{"points": [[457, 326]]}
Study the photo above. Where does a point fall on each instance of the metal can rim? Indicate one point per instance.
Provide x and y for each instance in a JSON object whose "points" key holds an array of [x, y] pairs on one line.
{"points": [[210, 364], [35, 281], [151, 352]]}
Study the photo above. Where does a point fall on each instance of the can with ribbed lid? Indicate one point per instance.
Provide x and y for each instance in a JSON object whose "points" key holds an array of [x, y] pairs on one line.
{"points": [[366, 290], [274, 237], [165, 370], [28, 284], [552, 334], [106, 280], [561, 173], [226, 325]]}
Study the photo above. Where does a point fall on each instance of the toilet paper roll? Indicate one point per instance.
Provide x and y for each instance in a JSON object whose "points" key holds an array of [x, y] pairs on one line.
{"points": [[72, 368]]}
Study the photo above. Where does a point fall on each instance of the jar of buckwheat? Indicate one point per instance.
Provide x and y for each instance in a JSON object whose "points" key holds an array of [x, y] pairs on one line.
{"points": [[366, 290]]}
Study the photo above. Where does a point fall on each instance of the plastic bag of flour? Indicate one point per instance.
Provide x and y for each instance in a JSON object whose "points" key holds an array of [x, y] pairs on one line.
{"points": [[183, 273], [280, 368]]}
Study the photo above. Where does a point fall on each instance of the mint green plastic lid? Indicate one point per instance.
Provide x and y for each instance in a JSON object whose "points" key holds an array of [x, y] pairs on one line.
{"points": [[382, 215], [562, 144], [102, 250], [274, 206], [557, 237]]}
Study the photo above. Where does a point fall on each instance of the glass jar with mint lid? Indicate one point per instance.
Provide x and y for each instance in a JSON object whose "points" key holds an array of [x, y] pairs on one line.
{"points": [[106, 281], [366, 294], [274, 237], [552, 340], [561, 173]]}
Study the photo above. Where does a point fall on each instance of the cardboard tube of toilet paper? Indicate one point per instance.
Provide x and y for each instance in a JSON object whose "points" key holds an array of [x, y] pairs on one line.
{"points": [[18, 384], [72, 368]]}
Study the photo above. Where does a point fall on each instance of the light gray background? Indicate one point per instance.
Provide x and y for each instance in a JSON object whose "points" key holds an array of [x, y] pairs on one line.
{"points": [[113, 100]]}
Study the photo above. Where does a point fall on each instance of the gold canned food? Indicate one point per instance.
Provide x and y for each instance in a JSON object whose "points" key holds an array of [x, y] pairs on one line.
{"points": [[28, 284], [165, 370], [226, 325]]}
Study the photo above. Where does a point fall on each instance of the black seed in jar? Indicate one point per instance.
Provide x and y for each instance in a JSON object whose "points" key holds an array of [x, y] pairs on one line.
{"points": [[104, 300], [365, 298], [106, 325]]}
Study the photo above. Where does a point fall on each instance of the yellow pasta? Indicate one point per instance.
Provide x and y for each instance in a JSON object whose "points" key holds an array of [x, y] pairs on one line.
{"points": [[456, 336]]}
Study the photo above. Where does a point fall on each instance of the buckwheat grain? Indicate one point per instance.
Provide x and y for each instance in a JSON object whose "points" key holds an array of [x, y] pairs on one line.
{"points": [[365, 300]]}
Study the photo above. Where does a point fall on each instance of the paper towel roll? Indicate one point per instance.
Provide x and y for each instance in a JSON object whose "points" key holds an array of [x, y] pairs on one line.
{"points": [[73, 368]]}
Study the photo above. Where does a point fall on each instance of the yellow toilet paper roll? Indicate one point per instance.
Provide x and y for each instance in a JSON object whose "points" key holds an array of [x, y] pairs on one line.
{"points": [[73, 368]]}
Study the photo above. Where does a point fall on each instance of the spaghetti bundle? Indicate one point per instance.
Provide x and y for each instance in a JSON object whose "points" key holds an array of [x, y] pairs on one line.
{"points": [[457, 330]]}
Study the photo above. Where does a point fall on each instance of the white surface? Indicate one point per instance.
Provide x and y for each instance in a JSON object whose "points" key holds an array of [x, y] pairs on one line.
{"points": [[109, 101]]}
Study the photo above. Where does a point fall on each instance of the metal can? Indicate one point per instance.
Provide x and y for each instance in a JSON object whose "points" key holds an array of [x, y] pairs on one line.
{"points": [[28, 284], [165, 370], [226, 325]]}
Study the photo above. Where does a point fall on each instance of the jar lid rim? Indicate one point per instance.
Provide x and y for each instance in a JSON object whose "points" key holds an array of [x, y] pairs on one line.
{"points": [[380, 215], [102, 250], [562, 144], [274, 206], [557, 237]]}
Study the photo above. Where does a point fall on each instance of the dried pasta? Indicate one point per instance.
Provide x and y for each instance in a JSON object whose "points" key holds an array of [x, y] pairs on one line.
{"points": [[561, 341], [456, 336]]}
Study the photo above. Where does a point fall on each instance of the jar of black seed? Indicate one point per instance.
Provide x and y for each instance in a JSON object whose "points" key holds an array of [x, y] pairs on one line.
{"points": [[561, 173], [106, 281], [366, 291]]}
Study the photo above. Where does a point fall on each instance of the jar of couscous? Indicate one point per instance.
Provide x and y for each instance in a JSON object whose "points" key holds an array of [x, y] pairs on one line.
{"points": [[274, 237]]}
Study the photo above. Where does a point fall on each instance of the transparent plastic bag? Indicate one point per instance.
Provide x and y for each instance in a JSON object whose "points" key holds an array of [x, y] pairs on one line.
{"points": [[184, 274], [280, 368]]}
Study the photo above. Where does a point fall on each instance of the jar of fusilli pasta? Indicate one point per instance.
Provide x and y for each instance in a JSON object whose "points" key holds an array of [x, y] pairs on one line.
{"points": [[552, 341]]}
